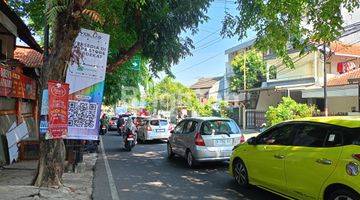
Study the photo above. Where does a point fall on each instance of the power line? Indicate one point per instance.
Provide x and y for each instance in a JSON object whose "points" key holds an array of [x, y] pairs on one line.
{"points": [[203, 61]]}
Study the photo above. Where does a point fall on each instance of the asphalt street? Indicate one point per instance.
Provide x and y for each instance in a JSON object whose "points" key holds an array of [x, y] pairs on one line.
{"points": [[146, 173]]}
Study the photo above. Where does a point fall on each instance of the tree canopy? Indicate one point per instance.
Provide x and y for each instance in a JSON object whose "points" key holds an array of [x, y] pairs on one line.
{"points": [[169, 94], [149, 29], [254, 67], [280, 23]]}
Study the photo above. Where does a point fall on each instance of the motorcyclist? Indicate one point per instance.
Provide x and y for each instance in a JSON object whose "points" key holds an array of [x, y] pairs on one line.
{"points": [[104, 121], [130, 126]]}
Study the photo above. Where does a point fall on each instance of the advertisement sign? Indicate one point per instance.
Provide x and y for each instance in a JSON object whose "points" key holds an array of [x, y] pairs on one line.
{"points": [[58, 109], [16, 85], [86, 75]]}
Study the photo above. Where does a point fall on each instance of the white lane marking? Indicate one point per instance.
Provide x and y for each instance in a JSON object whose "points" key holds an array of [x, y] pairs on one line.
{"points": [[114, 192]]}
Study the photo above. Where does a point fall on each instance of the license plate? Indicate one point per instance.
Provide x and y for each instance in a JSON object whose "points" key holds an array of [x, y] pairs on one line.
{"points": [[160, 130], [130, 139], [223, 142], [103, 128]]}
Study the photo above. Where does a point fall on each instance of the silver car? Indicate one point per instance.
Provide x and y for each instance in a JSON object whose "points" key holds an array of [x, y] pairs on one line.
{"points": [[154, 129], [204, 139]]}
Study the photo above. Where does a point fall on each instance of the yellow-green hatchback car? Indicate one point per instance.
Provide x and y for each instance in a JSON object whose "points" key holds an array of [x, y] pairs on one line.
{"points": [[311, 158]]}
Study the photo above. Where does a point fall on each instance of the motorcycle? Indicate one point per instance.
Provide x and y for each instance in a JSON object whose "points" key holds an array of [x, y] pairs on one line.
{"points": [[129, 140], [103, 129]]}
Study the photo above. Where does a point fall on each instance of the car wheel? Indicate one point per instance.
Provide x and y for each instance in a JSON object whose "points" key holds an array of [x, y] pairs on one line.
{"points": [[240, 173], [343, 194], [170, 153], [190, 161]]}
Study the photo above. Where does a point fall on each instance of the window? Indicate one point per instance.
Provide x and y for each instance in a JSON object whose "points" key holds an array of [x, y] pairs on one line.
{"points": [[281, 135], [219, 127], [352, 136], [334, 139], [312, 135], [190, 127], [179, 128], [158, 122]]}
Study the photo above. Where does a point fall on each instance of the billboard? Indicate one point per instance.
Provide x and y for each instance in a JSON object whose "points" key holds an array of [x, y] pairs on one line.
{"points": [[86, 75]]}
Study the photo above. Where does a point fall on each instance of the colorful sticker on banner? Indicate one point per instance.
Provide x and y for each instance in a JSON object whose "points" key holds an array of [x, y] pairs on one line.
{"points": [[45, 103], [44, 126], [58, 110], [86, 79]]}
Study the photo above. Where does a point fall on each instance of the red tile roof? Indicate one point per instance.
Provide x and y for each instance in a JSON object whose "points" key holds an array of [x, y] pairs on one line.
{"points": [[342, 79], [205, 83], [28, 56], [342, 48]]}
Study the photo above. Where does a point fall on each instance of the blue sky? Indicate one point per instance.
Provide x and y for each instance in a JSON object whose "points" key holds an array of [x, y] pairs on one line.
{"points": [[209, 47]]}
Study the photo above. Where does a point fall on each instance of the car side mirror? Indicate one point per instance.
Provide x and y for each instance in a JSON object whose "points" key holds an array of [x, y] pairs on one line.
{"points": [[252, 141]]}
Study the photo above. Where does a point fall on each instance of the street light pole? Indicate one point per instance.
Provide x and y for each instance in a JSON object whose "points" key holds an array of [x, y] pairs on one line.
{"points": [[325, 82]]}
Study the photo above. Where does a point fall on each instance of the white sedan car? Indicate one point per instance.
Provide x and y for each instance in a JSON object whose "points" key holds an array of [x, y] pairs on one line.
{"points": [[154, 129]]}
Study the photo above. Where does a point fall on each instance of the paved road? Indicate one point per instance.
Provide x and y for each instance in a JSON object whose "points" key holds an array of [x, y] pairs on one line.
{"points": [[146, 173]]}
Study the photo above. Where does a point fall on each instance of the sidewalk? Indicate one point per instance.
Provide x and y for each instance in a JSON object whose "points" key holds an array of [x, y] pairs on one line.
{"points": [[15, 182]]}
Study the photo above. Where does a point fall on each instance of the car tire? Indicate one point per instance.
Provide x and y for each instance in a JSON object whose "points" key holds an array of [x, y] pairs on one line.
{"points": [[190, 161], [340, 194], [240, 173], [170, 153]]}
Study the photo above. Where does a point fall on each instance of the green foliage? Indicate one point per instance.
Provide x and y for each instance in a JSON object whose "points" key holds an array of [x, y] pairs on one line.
{"points": [[288, 109], [155, 25], [223, 109], [255, 70], [124, 84], [206, 109], [169, 94], [279, 23]]}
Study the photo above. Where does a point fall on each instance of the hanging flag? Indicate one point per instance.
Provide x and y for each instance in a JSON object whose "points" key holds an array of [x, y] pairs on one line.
{"points": [[58, 110]]}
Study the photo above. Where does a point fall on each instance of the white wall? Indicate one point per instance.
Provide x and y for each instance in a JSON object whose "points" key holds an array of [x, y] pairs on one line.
{"points": [[268, 98]]}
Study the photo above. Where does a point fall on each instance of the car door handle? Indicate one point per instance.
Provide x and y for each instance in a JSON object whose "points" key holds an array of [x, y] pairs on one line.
{"points": [[324, 161], [279, 156]]}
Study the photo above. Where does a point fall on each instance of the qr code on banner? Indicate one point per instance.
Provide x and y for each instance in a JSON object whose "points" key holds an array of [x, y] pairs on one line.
{"points": [[82, 114]]}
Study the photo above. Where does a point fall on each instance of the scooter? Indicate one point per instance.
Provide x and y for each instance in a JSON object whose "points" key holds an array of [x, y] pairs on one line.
{"points": [[129, 140], [103, 129]]}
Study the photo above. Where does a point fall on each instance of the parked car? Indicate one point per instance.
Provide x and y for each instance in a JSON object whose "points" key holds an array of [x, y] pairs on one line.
{"points": [[113, 123], [313, 158], [154, 129], [204, 139]]}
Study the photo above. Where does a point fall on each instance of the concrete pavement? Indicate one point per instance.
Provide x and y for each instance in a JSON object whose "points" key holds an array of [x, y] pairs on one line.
{"points": [[15, 182]]}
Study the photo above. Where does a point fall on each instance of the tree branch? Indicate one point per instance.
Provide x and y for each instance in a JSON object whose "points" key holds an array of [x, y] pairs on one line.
{"points": [[125, 57]]}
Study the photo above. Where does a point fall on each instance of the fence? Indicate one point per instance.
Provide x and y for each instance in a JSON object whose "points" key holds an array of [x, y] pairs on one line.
{"points": [[255, 118]]}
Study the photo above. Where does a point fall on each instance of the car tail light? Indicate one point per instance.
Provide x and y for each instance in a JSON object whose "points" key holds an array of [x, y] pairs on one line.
{"points": [[130, 135], [149, 128], [242, 139], [356, 156], [199, 141], [171, 127]]}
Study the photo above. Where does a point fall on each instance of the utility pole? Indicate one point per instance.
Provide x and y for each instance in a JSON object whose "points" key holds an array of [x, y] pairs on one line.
{"points": [[325, 82], [244, 109]]}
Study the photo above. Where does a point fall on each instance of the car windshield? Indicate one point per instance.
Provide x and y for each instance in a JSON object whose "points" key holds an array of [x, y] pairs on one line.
{"points": [[353, 137], [218, 127], [158, 122]]}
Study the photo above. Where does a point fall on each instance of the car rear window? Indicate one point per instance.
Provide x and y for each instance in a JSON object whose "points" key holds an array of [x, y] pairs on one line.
{"points": [[158, 122], [352, 136], [114, 118], [218, 127]]}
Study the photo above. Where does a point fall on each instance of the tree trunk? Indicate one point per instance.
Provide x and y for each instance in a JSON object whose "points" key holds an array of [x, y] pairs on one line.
{"points": [[52, 152]]}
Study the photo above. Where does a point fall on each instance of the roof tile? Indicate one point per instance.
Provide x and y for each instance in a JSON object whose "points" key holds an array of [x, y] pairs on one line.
{"points": [[28, 56]]}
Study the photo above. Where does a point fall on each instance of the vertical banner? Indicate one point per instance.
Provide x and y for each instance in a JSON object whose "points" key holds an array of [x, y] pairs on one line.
{"points": [[58, 110], [86, 75]]}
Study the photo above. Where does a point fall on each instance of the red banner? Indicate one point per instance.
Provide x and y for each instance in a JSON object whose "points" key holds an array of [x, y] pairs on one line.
{"points": [[16, 85], [58, 109]]}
